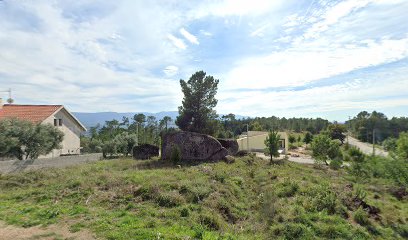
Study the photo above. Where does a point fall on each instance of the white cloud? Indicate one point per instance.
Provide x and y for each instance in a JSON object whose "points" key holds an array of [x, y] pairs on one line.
{"points": [[205, 33], [259, 32], [351, 95], [190, 37], [171, 70], [99, 56], [226, 8], [177, 42], [334, 14], [311, 62]]}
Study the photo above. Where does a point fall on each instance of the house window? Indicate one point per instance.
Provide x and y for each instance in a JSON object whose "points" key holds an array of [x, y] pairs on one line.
{"points": [[58, 122], [282, 143]]}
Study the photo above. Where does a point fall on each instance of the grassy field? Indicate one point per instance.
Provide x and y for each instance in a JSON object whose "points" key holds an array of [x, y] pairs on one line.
{"points": [[248, 199]]}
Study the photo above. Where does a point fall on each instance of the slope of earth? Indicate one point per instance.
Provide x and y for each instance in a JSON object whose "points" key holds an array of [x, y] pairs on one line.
{"points": [[247, 199]]}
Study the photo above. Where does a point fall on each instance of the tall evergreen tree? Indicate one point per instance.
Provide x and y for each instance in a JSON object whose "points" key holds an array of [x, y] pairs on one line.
{"points": [[197, 112], [272, 144]]}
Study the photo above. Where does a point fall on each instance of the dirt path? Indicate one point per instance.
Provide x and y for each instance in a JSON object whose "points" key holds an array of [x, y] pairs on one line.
{"points": [[51, 232], [366, 148], [301, 159]]}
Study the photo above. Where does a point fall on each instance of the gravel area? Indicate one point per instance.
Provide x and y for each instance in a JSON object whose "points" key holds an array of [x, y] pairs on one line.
{"points": [[301, 159]]}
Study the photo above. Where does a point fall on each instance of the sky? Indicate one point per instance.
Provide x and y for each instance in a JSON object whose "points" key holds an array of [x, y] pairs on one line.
{"points": [[287, 58]]}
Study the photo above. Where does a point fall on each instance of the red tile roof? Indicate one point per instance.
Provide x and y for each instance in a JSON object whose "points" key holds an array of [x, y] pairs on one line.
{"points": [[32, 113]]}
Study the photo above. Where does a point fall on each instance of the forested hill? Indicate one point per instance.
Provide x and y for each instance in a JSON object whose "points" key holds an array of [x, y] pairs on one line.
{"points": [[92, 119]]}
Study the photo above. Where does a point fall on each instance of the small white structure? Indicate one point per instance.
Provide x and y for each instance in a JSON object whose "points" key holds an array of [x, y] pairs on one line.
{"points": [[56, 115], [255, 141]]}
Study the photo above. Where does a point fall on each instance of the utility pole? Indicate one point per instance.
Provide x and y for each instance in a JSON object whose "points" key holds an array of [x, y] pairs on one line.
{"points": [[373, 142], [9, 100], [248, 136], [137, 134], [348, 130]]}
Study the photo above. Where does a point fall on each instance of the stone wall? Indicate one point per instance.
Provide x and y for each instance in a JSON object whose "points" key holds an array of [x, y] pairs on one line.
{"points": [[62, 161]]}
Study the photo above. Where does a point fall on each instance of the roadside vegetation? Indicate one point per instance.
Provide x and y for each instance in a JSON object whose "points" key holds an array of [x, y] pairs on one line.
{"points": [[248, 199]]}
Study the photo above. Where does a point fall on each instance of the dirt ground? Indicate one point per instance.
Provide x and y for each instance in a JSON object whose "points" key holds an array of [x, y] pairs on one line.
{"points": [[298, 155], [51, 232]]}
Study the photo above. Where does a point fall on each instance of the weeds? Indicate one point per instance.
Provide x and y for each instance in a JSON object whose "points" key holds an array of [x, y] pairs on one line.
{"points": [[124, 199]]}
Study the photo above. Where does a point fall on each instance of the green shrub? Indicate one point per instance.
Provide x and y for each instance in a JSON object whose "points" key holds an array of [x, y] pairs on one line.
{"points": [[361, 217], [172, 199], [390, 144], [288, 189], [175, 156], [296, 231], [211, 221], [335, 164], [269, 206], [184, 212], [360, 193]]}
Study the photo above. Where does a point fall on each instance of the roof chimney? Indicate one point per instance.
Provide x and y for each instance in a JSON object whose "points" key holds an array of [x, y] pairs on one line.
{"points": [[1, 103]]}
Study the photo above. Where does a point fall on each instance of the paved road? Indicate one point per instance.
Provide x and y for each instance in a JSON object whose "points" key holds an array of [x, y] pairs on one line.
{"points": [[366, 148]]}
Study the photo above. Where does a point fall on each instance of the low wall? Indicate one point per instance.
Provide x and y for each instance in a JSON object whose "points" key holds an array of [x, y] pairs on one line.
{"points": [[9, 166]]}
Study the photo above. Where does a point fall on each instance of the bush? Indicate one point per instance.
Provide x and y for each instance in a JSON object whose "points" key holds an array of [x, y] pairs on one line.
{"points": [[211, 221], [361, 217], [402, 145], [335, 164], [269, 207], [184, 212], [324, 148], [390, 144], [296, 231], [172, 199], [175, 156], [288, 189]]}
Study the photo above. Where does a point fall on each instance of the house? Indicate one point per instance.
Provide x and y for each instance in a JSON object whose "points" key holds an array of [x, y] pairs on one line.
{"points": [[256, 141], [56, 115]]}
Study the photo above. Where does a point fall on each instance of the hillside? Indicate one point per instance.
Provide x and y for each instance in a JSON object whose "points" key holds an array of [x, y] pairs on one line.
{"points": [[248, 199], [92, 119]]}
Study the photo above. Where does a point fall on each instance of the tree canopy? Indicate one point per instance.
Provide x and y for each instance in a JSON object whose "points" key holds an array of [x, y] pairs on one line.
{"points": [[197, 112], [272, 144], [23, 140]]}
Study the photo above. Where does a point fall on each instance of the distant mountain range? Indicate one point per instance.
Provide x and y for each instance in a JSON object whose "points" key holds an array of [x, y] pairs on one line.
{"points": [[92, 119]]}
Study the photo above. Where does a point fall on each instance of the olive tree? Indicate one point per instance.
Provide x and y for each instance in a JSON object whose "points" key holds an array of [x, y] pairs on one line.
{"points": [[27, 140], [325, 149]]}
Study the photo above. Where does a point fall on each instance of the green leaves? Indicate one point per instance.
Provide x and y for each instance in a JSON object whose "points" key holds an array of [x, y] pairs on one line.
{"points": [[22, 139], [196, 113], [272, 144]]}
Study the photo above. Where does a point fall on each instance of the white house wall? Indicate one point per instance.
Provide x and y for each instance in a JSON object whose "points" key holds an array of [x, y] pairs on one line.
{"points": [[257, 142], [72, 132]]}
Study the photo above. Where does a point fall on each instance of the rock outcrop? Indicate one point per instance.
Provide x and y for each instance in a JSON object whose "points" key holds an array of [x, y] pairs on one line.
{"points": [[230, 144], [193, 146], [145, 151]]}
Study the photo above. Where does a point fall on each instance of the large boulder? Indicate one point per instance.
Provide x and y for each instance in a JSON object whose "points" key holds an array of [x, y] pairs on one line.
{"points": [[230, 144], [145, 151], [193, 146]]}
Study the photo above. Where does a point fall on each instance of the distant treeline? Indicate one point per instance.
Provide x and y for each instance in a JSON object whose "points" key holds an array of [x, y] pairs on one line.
{"points": [[366, 125], [231, 127]]}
